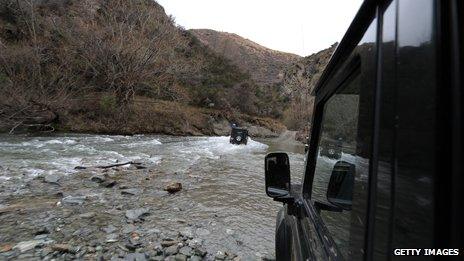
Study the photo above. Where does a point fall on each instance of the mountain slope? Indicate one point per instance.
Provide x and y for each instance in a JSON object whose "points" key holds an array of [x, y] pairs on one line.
{"points": [[108, 64], [263, 64], [299, 80]]}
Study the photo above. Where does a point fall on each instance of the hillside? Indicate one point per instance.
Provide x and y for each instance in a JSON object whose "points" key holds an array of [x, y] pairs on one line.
{"points": [[109, 66], [299, 80], [263, 64], [292, 77]]}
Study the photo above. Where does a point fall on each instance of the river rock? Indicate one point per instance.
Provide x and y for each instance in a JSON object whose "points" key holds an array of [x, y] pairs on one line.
{"points": [[128, 228], [42, 231], [111, 238], [194, 243], [202, 232], [6, 248], [135, 214], [109, 229], [168, 243], [220, 256], [135, 257], [65, 248], [170, 251], [196, 258], [108, 183], [97, 178], [180, 257], [200, 251], [87, 215], [28, 245], [173, 187], [187, 251], [132, 191], [52, 179], [186, 232], [77, 200]]}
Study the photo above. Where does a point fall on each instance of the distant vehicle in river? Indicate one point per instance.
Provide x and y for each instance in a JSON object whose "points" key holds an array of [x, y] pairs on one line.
{"points": [[331, 148], [238, 136], [393, 91]]}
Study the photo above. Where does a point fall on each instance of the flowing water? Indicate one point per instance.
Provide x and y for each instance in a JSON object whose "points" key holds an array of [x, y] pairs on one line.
{"points": [[227, 199]]}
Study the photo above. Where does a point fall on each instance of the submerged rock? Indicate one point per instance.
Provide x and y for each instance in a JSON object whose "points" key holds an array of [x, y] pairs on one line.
{"points": [[132, 191], [97, 178], [52, 179], [173, 187]]}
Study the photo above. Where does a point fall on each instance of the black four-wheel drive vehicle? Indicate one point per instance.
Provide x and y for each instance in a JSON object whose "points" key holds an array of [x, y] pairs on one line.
{"points": [[393, 91], [238, 136], [331, 149]]}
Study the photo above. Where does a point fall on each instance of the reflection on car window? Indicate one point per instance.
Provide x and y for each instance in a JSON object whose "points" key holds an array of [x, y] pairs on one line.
{"points": [[336, 160]]}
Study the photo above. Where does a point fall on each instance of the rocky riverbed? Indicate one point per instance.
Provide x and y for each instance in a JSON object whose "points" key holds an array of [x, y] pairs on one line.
{"points": [[210, 208]]}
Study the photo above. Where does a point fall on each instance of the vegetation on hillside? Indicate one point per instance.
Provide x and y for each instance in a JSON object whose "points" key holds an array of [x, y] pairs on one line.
{"points": [[92, 62]]}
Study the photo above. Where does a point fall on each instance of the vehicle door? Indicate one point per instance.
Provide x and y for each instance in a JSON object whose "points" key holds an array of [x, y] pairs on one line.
{"points": [[335, 201]]}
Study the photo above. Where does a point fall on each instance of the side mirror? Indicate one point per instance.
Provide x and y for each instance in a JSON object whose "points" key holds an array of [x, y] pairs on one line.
{"points": [[277, 172], [340, 190]]}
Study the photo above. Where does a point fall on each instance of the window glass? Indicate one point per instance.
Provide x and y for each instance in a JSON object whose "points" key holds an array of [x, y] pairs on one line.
{"points": [[341, 174], [337, 147]]}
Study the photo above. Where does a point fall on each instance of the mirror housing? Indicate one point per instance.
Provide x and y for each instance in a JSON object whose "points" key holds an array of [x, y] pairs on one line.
{"points": [[340, 189], [277, 175]]}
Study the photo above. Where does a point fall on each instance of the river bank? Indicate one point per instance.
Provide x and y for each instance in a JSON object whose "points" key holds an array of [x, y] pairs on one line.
{"points": [[144, 116], [50, 210]]}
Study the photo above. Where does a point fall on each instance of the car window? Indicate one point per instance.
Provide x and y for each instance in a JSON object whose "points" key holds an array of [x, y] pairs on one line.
{"points": [[340, 181], [337, 148]]}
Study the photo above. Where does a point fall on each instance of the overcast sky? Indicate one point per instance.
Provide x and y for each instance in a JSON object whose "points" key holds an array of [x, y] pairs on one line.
{"points": [[296, 26]]}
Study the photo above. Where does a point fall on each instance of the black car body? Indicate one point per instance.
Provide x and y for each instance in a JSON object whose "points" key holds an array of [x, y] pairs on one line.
{"points": [[395, 85], [238, 136]]}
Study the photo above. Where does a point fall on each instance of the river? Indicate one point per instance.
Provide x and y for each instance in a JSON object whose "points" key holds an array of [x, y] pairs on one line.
{"points": [[223, 198]]}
